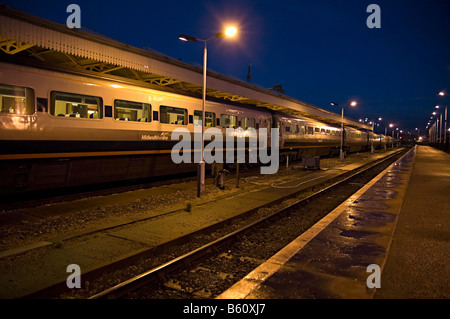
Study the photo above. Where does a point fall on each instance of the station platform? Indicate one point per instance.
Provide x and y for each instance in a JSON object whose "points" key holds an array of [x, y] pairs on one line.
{"points": [[124, 229], [399, 222]]}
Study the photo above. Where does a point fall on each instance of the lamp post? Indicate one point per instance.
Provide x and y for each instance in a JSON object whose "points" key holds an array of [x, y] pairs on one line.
{"points": [[443, 94], [372, 122], [341, 153], [231, 31], [392, 126], [385, 137]]}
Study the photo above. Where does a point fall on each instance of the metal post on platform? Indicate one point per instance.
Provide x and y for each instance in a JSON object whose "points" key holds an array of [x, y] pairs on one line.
{"points": [[444, 94], [198, 181], [393, 138], [237, 174], [373, 136], [287, 164], [231, 31], [341, 152], [445, 126]]}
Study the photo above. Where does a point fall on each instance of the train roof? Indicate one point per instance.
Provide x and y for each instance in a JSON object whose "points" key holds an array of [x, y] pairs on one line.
{"points": [[30, 40]]}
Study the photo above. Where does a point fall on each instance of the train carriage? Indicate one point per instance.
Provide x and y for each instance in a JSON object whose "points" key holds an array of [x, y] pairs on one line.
{"points": [[61, 130]]}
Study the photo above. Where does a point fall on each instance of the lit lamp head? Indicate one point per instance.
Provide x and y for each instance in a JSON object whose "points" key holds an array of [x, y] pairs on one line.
{"points": [[187, 38], [353, 103], [228, 32]]}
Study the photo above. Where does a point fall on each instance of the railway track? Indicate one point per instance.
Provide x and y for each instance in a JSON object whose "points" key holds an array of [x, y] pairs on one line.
{"points": [[218, 262]]}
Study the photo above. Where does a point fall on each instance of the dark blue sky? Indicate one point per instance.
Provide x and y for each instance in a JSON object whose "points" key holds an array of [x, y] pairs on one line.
{"points": [[319, 51]]}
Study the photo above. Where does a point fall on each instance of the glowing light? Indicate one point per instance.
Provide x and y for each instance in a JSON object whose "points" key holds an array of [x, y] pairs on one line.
{"points": [[353, 103], [116, 86], [230, 31]]}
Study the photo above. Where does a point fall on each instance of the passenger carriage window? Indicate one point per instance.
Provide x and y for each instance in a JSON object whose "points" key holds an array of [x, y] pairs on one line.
{"points": [[228, 121], [76, 105], [132, 111], [316, 130], [210, 118], [322, 131], [16, 100], [302, 130], [173, 115], [310, 130], [248, 123], [293, 128]]}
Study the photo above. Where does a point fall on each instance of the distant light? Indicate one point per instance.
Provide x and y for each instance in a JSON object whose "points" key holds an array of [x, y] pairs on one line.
{"points": [[434, 113], [353, 103], [230, 31], [437, 106], [391, 125], [380, 119], [442, 93]]}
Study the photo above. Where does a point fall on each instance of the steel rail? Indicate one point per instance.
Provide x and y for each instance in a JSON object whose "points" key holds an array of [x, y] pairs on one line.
{"points": [[163, 270]]}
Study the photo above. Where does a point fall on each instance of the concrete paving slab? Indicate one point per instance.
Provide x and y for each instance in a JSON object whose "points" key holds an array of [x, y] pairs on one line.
{"points": [[418, 265]]}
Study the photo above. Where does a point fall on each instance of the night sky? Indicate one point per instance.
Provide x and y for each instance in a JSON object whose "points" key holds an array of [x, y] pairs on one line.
{"points": [[319, 51]]}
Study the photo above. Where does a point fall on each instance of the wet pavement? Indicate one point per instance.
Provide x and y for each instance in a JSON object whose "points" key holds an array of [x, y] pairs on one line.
{"points": [[400, 217]]}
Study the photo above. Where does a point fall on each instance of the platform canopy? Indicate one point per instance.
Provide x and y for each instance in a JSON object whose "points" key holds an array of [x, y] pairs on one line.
{"points": [[34, 41]]}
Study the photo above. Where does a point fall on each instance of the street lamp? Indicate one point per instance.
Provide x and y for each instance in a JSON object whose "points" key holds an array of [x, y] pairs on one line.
{"points": [[443, 94], [392, 126], [352, 103], [229, 32]]}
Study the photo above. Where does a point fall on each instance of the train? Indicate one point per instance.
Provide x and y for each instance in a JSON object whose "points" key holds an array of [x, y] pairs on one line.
{"points": [[64, 130]]}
